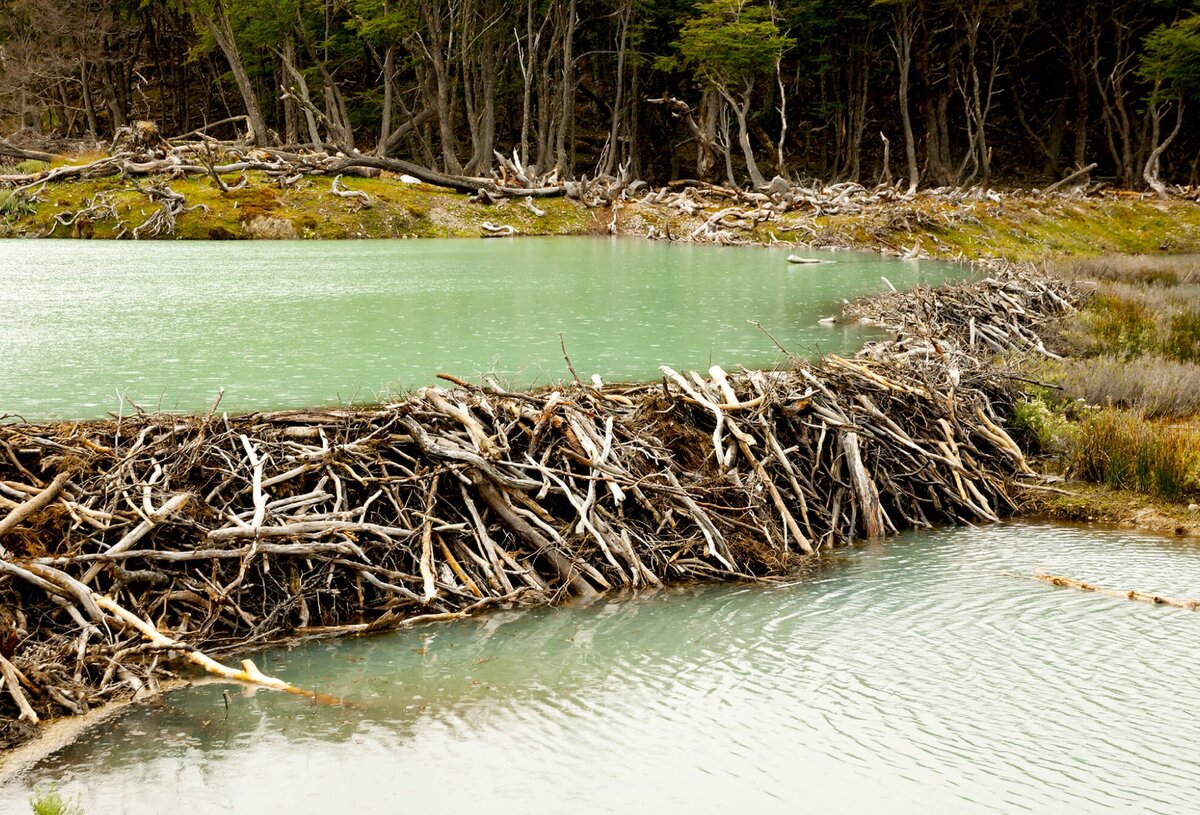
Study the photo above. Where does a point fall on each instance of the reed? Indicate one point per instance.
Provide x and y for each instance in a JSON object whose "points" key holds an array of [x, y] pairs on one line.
{"points": [[1154, 386], [1147, 270], [1124, 450]]}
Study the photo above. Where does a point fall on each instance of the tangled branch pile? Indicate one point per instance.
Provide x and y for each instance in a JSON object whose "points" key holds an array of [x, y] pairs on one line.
{"points": [[1001, 314], [128, 541]]}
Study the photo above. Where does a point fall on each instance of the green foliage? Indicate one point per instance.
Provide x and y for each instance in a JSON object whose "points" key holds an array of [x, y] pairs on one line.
{"points": [[52, 802], [383, 22], [30, 166], [730, 42], [1172, 58], [14, 205], [1043, 425]]}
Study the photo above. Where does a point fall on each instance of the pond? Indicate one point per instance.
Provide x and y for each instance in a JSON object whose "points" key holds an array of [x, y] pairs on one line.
{"points": [[927, 674], [89, 328]]}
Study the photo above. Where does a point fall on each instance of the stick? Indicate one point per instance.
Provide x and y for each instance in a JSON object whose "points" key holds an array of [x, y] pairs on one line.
{"points": [[33, 506]]}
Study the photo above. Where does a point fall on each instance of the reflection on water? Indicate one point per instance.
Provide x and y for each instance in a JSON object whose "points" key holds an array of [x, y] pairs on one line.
{"points": [[924, 675], [296, 324]]}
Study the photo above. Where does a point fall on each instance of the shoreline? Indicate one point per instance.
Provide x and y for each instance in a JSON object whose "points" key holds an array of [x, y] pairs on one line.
{"points": [[973, 225]]}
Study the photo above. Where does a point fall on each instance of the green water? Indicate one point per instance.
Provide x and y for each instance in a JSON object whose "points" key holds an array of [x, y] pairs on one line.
{"points": [[165, 325], [926, 675]]}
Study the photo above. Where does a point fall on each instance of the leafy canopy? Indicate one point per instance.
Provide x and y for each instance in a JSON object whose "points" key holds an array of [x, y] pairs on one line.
{"points": [[731, 42], [1172, 58]]}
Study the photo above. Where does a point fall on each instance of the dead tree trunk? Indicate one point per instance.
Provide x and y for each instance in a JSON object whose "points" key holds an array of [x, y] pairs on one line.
{"points": [[1150, 171], [902, 42], [215, 22], [741, 110]]}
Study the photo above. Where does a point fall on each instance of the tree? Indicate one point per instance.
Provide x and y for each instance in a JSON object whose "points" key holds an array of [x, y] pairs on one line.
{"points": [[904, 15], [213, 18], [731, 44], [1171, 62]]}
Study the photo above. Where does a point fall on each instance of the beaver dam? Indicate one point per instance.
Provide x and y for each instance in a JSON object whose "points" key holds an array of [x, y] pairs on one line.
{"points": [[131, 546]]}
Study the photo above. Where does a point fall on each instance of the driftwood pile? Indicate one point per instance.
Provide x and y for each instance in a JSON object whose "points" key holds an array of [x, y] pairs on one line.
{"points": [[128, 543], [154, 156]]}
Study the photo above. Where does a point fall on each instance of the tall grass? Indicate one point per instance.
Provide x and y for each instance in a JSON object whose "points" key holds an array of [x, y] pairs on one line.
{"points": [[1121, 326], [1124, 450], [1128, 322], [1183, 335], [1148, 270], [1154, 386]]}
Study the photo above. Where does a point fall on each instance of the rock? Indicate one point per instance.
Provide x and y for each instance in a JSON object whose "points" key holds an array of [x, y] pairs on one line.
{"points": [[1193, 507]]}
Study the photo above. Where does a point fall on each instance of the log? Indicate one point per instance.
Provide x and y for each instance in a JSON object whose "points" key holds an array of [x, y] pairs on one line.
{"points": [[1080, 173], [1131, 594], [7, 148]]}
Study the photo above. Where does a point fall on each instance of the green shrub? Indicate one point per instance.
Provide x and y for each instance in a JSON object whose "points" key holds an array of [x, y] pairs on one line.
{"points": [[1043, 426], [1183, 336], [14, 205], [52, 802]]}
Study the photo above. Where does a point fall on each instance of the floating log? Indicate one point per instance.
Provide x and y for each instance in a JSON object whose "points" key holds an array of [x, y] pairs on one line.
{"points": [[1131, 594], [129, 541], [798, 259]]}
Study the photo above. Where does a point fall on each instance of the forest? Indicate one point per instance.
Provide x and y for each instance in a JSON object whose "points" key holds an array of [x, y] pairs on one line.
{"points": [[926, 93]]}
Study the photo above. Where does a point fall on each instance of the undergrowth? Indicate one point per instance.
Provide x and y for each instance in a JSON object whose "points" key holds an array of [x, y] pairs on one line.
{"points": [[1156, 387], [1044, 425]]}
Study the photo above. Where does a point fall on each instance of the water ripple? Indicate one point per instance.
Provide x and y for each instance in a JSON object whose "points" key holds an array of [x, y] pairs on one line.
{"points": [[924, 675]]}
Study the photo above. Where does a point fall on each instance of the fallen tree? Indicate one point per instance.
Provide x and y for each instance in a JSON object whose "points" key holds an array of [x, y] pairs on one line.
{"points": [[9, 149], [129, 542]]}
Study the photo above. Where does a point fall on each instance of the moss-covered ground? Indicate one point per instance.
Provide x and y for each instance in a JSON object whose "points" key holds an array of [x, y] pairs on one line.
{"points": [[307, 209], [1014, 228]]}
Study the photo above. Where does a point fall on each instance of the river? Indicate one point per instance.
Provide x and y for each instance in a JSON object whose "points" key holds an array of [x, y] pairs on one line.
{"points": [[926, 674], [89, 328]]}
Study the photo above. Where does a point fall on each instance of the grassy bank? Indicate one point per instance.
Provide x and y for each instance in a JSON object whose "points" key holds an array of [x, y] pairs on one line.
{"points": [[265, 210], [1012, 227], [1122, 410], [1021, 229]]}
